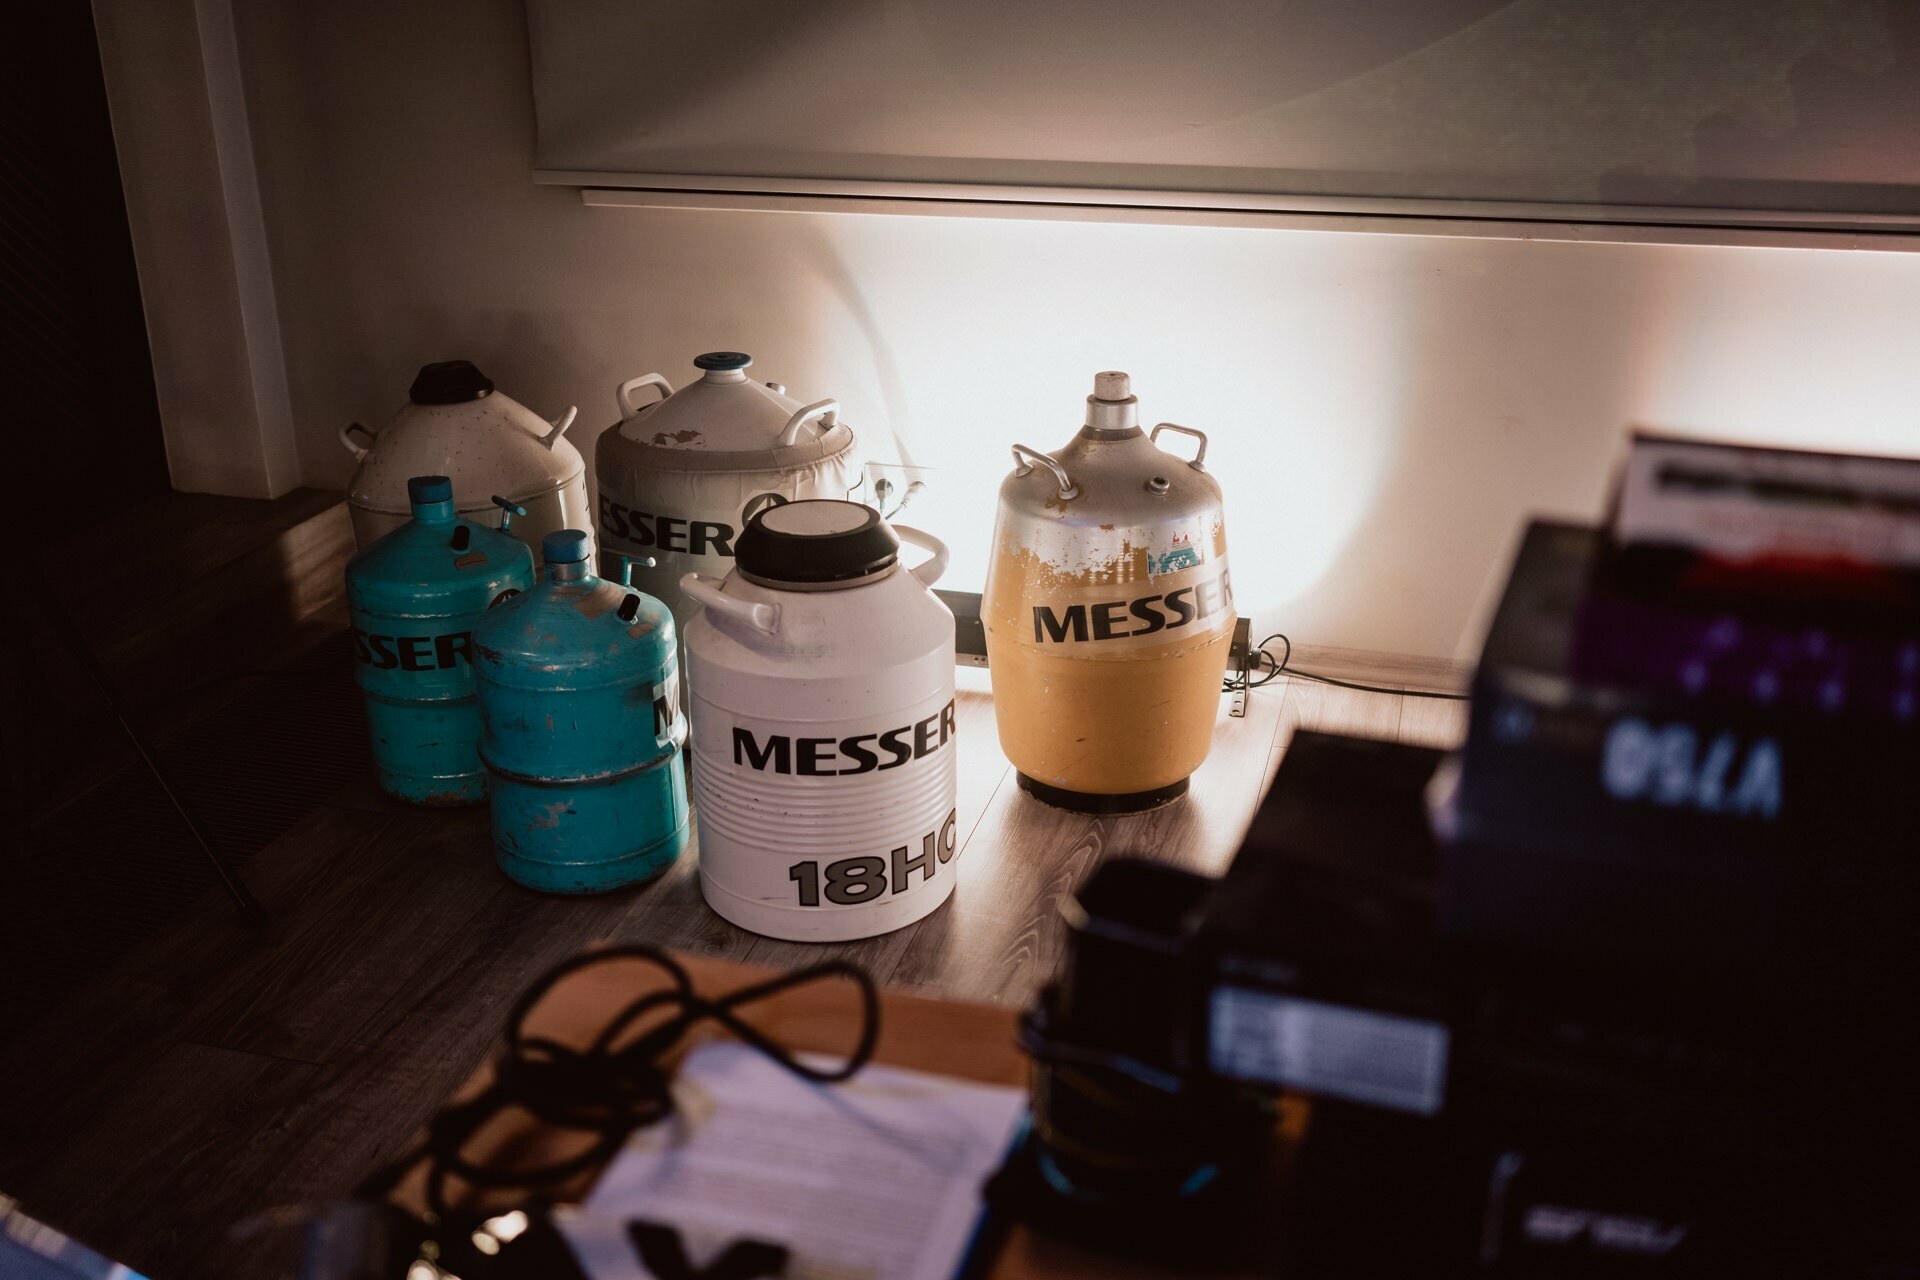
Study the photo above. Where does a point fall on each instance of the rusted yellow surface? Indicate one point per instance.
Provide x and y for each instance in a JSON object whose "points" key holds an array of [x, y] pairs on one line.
{"points": [[1136, 718]]}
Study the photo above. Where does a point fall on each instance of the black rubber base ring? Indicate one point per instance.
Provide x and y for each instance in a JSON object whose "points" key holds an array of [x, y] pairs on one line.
{"points": [[1088, 802]]}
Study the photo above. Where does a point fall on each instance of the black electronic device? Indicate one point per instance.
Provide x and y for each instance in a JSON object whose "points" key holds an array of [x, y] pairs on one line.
{"points": [[1473, 1110], [1477, 1109], [1688, 835], [1693, 731], [1133, 1144], [1322, 966]]}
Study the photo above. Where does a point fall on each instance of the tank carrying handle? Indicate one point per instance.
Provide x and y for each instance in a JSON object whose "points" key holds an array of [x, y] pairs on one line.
{"points": [[560, 425], [626, 565], [624, 392], [828, 411], [761, 617], [1025, 460], [1200, 455], [928, 573], [358, 451], [508, 510]]}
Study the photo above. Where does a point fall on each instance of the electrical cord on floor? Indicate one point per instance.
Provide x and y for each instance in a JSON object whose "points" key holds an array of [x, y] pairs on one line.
{"points": [[607, 1089], [1269, 668]]}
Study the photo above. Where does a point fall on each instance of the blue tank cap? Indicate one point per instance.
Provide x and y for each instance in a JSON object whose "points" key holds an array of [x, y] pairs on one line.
{"points": [[429, 489], [566, 546], [723, 360]]}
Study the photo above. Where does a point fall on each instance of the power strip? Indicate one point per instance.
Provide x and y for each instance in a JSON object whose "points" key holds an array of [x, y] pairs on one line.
{"points": [[969, 634], [1240, 659]]}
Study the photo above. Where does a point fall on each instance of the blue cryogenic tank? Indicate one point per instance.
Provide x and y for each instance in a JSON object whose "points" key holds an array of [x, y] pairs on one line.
{"points": [[415, 596], [582, 732]]}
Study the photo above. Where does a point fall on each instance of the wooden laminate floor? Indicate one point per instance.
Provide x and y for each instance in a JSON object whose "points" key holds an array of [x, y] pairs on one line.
{"points": [[224, 1074]]}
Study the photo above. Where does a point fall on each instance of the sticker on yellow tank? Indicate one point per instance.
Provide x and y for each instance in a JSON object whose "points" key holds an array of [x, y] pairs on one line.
{"points": [[1183, 553], [1184, 544]]}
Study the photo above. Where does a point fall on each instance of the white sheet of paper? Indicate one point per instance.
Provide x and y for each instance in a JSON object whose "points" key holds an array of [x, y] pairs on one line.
{"points": [[877, 1177]]}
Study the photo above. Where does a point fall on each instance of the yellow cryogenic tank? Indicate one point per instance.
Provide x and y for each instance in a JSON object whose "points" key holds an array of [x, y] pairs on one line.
{"points": [[1108, 612]]}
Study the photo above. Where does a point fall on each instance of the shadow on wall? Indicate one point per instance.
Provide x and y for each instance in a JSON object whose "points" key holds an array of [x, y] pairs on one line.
{"points": [[789, 299], [814, 251]]}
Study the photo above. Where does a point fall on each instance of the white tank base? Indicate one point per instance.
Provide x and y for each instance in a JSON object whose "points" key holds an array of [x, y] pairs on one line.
{"points": [[837, 924]]}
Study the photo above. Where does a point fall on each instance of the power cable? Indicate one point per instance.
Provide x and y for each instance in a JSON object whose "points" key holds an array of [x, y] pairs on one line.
{"points": [[1262, 661]]}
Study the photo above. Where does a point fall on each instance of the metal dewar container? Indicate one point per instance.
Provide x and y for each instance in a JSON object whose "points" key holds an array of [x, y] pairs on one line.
{"points": [[455, 424], [820, 673], [581, 729], [415, 597], [1108, 612], [678, 478]]}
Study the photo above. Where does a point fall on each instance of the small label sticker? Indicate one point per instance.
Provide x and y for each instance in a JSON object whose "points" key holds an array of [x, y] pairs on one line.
{"points": [[1382, 1059], [669, 726], [1182, 552], [1187, 544]]}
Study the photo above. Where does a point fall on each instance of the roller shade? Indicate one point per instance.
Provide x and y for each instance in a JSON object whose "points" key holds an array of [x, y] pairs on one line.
{"points": [[1803, 108]]}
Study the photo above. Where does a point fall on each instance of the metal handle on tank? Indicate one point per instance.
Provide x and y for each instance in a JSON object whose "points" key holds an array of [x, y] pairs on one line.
{"points": [[1199, 458], [761, 617], [928, 573], [560, 425], [1025, 460], [624, 392], [508, 510], [346, 438], [828, 411], [626, 565]]}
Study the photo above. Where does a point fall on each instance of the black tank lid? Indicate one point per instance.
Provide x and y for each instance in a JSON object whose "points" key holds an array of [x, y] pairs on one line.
{"points": [[814, 541], [449, 382]]}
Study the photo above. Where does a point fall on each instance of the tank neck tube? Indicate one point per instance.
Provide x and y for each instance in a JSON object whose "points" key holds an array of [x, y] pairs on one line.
{"points": [[567, 571], [724, 375], [1113, 411], [440, 512]]}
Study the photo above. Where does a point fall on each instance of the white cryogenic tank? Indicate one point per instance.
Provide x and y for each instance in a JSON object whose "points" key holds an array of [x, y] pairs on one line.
{"points": [[679, 477], [455, 424], [820, 679]]}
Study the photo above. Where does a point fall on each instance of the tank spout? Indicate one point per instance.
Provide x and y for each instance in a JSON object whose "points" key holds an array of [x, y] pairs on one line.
{"points": [[1113, 408]]}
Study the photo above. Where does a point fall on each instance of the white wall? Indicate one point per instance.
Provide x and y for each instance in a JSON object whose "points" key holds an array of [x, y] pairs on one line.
{"points": [[175, 96], [1385, 409]]}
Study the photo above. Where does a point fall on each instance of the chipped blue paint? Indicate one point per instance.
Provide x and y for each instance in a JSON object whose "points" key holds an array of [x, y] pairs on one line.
{"points": [[582, 732], [414, 597]]}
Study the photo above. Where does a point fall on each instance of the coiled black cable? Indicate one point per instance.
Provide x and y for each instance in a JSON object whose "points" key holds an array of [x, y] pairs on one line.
{"points": [[1273, 668], [606, 1089]]}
